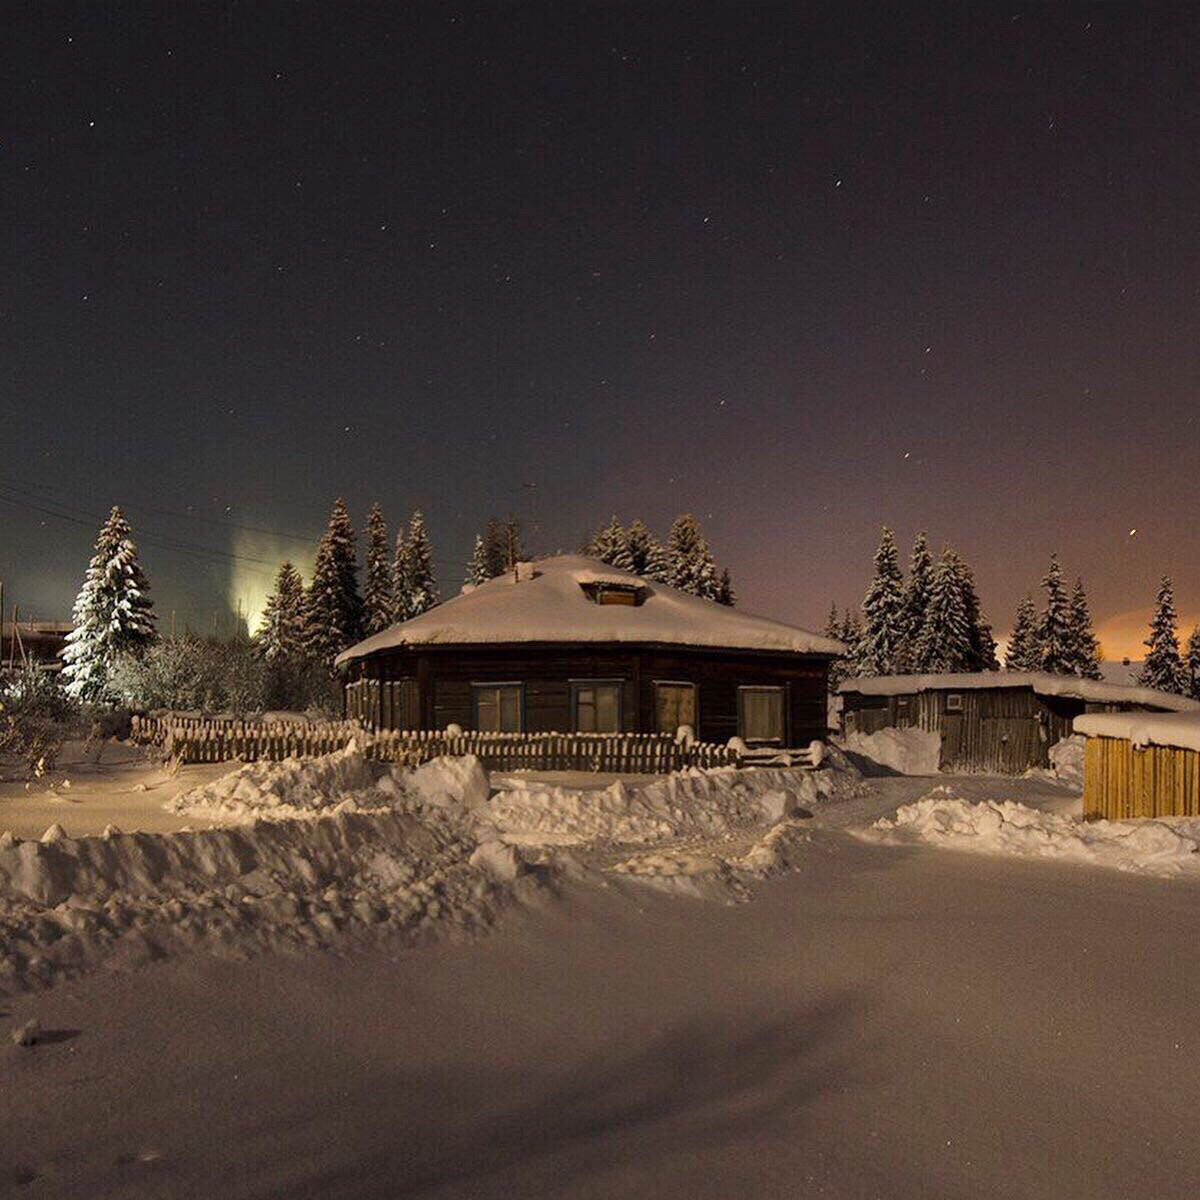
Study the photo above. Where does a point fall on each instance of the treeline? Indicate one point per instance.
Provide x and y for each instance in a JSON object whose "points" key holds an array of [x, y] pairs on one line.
{"points": [[930, 622], [1059, 640], [114, 653], [684, 562]]}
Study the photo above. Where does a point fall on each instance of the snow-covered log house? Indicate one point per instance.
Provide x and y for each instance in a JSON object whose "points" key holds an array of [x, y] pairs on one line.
{"points": [[569, 644], [994, 722]]}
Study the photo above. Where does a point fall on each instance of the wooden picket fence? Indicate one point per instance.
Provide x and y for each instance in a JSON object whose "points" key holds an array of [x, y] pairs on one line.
{"points": [[225, 739]]}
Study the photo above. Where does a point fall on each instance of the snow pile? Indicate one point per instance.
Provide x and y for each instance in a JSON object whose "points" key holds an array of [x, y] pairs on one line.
{"points": [[444, 781], [944, 819], [1066, 764], [688, 803], [298, 787], [332, 851], [1066, 759], [293, 787], [128, 899], [910, 751]]}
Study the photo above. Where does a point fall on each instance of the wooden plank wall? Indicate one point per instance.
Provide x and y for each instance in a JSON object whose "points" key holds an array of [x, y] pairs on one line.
{"points": [[1122, 782], [999, 731]]}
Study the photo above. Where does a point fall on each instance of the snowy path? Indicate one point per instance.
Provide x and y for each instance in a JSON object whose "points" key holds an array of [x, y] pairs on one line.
{"points": [[893, 1022]]}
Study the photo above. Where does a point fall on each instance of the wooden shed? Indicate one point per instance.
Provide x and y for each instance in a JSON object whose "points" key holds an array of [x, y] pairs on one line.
{"points": [[1141, 765], [992, 722], [568, 644]]}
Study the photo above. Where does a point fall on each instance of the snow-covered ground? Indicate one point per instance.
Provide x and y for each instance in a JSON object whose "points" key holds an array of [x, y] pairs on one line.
{"points": [[96, 784], [882, 1021], [287, 1008]]}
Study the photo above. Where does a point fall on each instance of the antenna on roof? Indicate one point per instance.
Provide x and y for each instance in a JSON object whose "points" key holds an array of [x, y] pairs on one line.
{"points": [[531, 488]]}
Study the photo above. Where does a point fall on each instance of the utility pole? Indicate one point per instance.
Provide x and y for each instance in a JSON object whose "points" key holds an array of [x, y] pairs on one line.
{"points": [[531, 488]]}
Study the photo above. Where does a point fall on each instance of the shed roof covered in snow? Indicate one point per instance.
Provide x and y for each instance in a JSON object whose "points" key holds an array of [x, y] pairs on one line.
{"points": [[561, 600], [1094, 690], [1180, 729]]}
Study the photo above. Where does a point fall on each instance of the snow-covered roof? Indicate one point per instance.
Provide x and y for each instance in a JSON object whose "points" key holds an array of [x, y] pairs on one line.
{"points": [[1144, 729], [553, 606], [1095, 690]]}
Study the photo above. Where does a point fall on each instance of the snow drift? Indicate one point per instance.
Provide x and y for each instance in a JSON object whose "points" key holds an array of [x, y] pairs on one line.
{"points": [[941, 818], [910, 751], [298, 787], [334, 850]]}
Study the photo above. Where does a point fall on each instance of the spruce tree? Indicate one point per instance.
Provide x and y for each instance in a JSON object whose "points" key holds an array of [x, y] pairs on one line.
{"points": [[611, 546], [1191, 664], [979, 631], [416, 582], [113, 613], [380, 594], [658, 562], [1054, 642], [1085, 657], [692, 566], [839, 667], [477, 568], [851, 636], [1022, 653], [916, 600], [638, 540], [281, 637], [725, 593], [1163, 668], [883, 608], [334, 609], [945, 640]]}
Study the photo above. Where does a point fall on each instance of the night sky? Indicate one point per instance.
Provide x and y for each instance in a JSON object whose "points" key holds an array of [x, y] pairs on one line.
{"points": [[801, 271]]}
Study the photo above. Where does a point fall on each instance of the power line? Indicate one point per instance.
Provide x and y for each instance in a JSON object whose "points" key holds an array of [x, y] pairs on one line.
{"points": [[159, 541]]}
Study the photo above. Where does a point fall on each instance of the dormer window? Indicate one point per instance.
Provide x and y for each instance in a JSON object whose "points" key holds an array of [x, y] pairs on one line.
{"points": [[603, 591]]}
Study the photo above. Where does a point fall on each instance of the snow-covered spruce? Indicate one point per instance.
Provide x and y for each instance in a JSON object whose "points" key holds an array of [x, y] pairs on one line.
{"points": [[113, 613]]}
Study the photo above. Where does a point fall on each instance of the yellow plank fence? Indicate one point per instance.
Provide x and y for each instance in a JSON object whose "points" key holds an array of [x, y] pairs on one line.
{"points": [[1122, 781]]}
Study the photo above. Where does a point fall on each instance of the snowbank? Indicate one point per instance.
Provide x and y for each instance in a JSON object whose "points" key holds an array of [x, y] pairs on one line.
{"points": [[329, 851], [1144, 729], [299, 787], [908, 751], [1004, 827], [128, 899], [1066, 763], [690, 803]]}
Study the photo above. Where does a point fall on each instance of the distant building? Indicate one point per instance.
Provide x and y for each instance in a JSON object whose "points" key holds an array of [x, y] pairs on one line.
{"points": [[997, 722], [38, 641], [569, 644]]}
